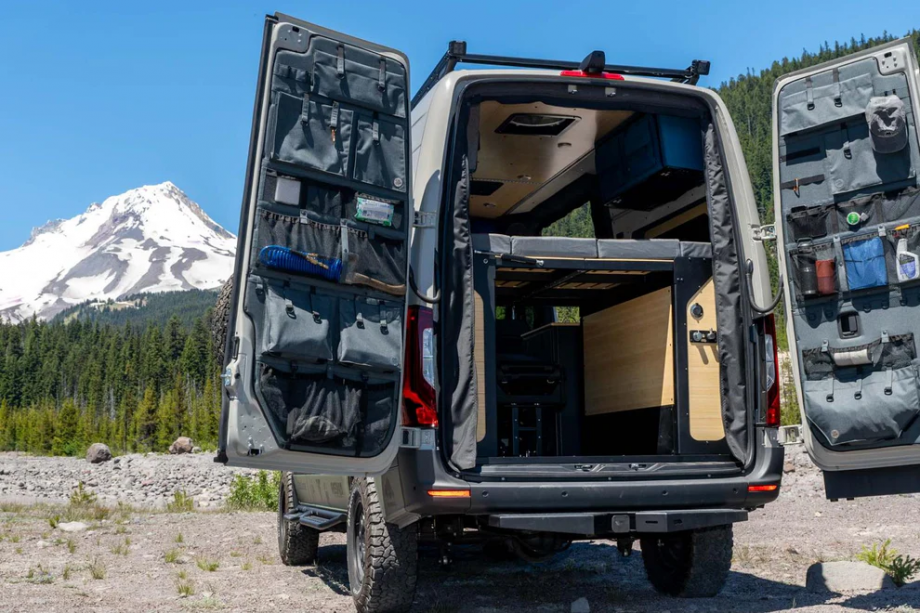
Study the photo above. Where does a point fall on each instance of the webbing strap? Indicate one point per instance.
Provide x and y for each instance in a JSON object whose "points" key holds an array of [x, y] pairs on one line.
{"points": [[858, 394], [376, 131], [305, 109], [890, 385], [334, 118], [382, 76], [340, 62], [809, 94], [838, 100]]}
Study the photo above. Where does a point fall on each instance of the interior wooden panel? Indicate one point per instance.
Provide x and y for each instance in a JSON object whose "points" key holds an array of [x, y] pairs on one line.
{"points": [[629, 355], [705, 399], [479, 359], [524, 162], [677, 221]]}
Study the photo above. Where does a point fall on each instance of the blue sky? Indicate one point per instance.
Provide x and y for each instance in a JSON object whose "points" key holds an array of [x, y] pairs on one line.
{"points": [[100, 97]]}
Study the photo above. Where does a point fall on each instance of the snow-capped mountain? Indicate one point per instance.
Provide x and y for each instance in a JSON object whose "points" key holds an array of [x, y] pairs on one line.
{"points": [[149, 239]]}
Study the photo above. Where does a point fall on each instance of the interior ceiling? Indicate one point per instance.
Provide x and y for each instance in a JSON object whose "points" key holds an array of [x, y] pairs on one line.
{"points": [[525, 163]]}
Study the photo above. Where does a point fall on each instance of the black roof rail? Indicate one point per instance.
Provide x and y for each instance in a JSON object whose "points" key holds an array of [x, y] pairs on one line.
{"points": [[595, 62]]}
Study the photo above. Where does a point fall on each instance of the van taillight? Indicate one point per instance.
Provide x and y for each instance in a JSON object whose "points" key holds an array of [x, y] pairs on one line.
{"points": [[612, 76], [771, 370], [419, 397]]}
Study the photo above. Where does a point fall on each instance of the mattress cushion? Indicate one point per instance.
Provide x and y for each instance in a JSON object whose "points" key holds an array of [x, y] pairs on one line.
{"points": [[553, 246]]}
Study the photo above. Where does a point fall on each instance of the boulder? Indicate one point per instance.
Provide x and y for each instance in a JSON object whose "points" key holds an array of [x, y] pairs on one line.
{"points": [[98, 453], [581, 606], [842, 577], [72, 526], [183, 444]]}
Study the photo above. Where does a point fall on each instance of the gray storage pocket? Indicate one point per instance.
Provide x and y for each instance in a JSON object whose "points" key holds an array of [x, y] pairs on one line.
{"points": [[380, 152], [852, 407], [298, 322], [363, 77], [807, 223], [824, 104], [371, 332], [296, 233], [312, 133], [853, 165], [802, 170]]}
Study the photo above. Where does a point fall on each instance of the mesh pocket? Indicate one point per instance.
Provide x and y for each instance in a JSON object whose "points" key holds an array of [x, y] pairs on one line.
{"points": [[897, 352], [811, 223], [903, 253], [856, 214], [374, 261], [297, 234], [865, 262], [814, 271]]}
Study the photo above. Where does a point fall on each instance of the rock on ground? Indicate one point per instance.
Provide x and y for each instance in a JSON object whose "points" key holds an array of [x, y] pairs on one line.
{"points": [[183, 444], [98, 452], [581, 606], [72, 526], [842, 577]]}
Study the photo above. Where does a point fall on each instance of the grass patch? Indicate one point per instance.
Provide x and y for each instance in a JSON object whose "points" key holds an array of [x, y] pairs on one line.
{"points": [[179, 538], [185, 586], [39, 575], [122, 549], [71, 545], [247, 565], [67, 572], [97, 569], [181, 503], [257, 540], [207, 564], [172, 556], [255, 493], [82, 497], [899, 567]]}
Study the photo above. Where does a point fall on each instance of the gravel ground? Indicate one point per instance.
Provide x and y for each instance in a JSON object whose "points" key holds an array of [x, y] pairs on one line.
{"points": [[772, 552]]}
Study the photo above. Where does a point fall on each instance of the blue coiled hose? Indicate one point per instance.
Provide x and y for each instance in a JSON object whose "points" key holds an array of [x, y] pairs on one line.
{"points": [[299, 262]]}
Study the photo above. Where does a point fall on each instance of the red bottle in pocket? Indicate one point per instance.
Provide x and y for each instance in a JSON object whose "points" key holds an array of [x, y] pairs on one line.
{"points": [[827, 276]]}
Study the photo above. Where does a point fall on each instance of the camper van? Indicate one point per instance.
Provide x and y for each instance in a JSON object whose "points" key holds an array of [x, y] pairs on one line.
{"points": [[531, 304]]}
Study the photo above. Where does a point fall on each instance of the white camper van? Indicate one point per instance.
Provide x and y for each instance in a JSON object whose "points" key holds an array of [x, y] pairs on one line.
{"points": [[427, 358]]}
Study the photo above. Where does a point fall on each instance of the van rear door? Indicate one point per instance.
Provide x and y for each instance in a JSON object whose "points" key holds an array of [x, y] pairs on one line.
{"points": [[313, 383], [846, 158]]}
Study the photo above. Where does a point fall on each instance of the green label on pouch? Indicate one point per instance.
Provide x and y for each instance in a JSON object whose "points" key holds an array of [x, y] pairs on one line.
{"points": [[853, 219], [374, 210]]}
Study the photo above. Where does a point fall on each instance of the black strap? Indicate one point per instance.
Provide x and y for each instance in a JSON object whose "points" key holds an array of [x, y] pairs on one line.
{"points": [[795, 184], [382, 77], [305, 109]]}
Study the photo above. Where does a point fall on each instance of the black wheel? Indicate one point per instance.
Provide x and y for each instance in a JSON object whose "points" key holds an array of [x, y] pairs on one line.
{"points": [[297, 544], [220, 319], [382, 558], [689, 564]]}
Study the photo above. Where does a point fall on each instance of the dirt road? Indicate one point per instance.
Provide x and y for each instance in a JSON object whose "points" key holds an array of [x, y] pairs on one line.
{"points": [[228, 562]]}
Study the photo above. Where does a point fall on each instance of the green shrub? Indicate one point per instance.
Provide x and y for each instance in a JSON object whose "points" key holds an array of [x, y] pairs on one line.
{"points": [[256, 493], [899, 567], [181, 503], [82, 497]]}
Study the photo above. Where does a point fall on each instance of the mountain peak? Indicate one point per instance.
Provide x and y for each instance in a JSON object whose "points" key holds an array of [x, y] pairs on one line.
{"points": [[151, 238]]}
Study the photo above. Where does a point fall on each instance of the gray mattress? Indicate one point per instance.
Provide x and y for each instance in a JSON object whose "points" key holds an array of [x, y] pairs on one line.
{"points": [[626, 249]]}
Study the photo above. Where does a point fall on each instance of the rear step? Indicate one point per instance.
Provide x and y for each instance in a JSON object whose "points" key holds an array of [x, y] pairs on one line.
{"points": [[316, 518]]}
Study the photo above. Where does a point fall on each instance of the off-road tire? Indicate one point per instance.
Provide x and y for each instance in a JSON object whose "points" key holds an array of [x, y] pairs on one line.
{"points": [[691, 564], [220, 319], [297, 544], [382, 558]]}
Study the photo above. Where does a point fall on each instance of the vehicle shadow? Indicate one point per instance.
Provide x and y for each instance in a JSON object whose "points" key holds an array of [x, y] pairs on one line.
{"points": [[330, 568], [596, 571]]}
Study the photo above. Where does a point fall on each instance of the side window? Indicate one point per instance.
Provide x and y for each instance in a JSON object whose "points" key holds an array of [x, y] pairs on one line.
{"points": [[576, 224]]}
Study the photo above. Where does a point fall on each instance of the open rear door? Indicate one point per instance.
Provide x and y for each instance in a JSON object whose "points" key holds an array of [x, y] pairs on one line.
{"points": [[845, 178], [314, 376]]}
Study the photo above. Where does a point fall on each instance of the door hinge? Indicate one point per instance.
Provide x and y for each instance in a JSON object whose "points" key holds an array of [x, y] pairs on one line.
{"points": [[790, 435], [764, 233], [425, 219]]}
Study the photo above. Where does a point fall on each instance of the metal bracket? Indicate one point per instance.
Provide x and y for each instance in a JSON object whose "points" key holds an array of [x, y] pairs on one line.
{"points": [[425, 219], [703, 336], [790, 435], [764, 233]]}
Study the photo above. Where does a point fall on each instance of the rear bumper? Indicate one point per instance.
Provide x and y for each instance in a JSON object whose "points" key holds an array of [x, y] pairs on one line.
{"points": [[617, 524], [422, 470]]}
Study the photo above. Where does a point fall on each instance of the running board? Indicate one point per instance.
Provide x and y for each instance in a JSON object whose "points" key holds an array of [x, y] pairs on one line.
{"points": [[316, 517]]}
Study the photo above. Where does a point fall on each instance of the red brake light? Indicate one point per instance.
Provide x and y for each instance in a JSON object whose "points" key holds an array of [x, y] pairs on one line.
{"points": [[419, 396], [772, 372], [592, 75], [769, 487]]}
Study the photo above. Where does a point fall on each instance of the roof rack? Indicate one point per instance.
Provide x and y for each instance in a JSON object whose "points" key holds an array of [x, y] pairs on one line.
{"points": [[594, 63]]}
